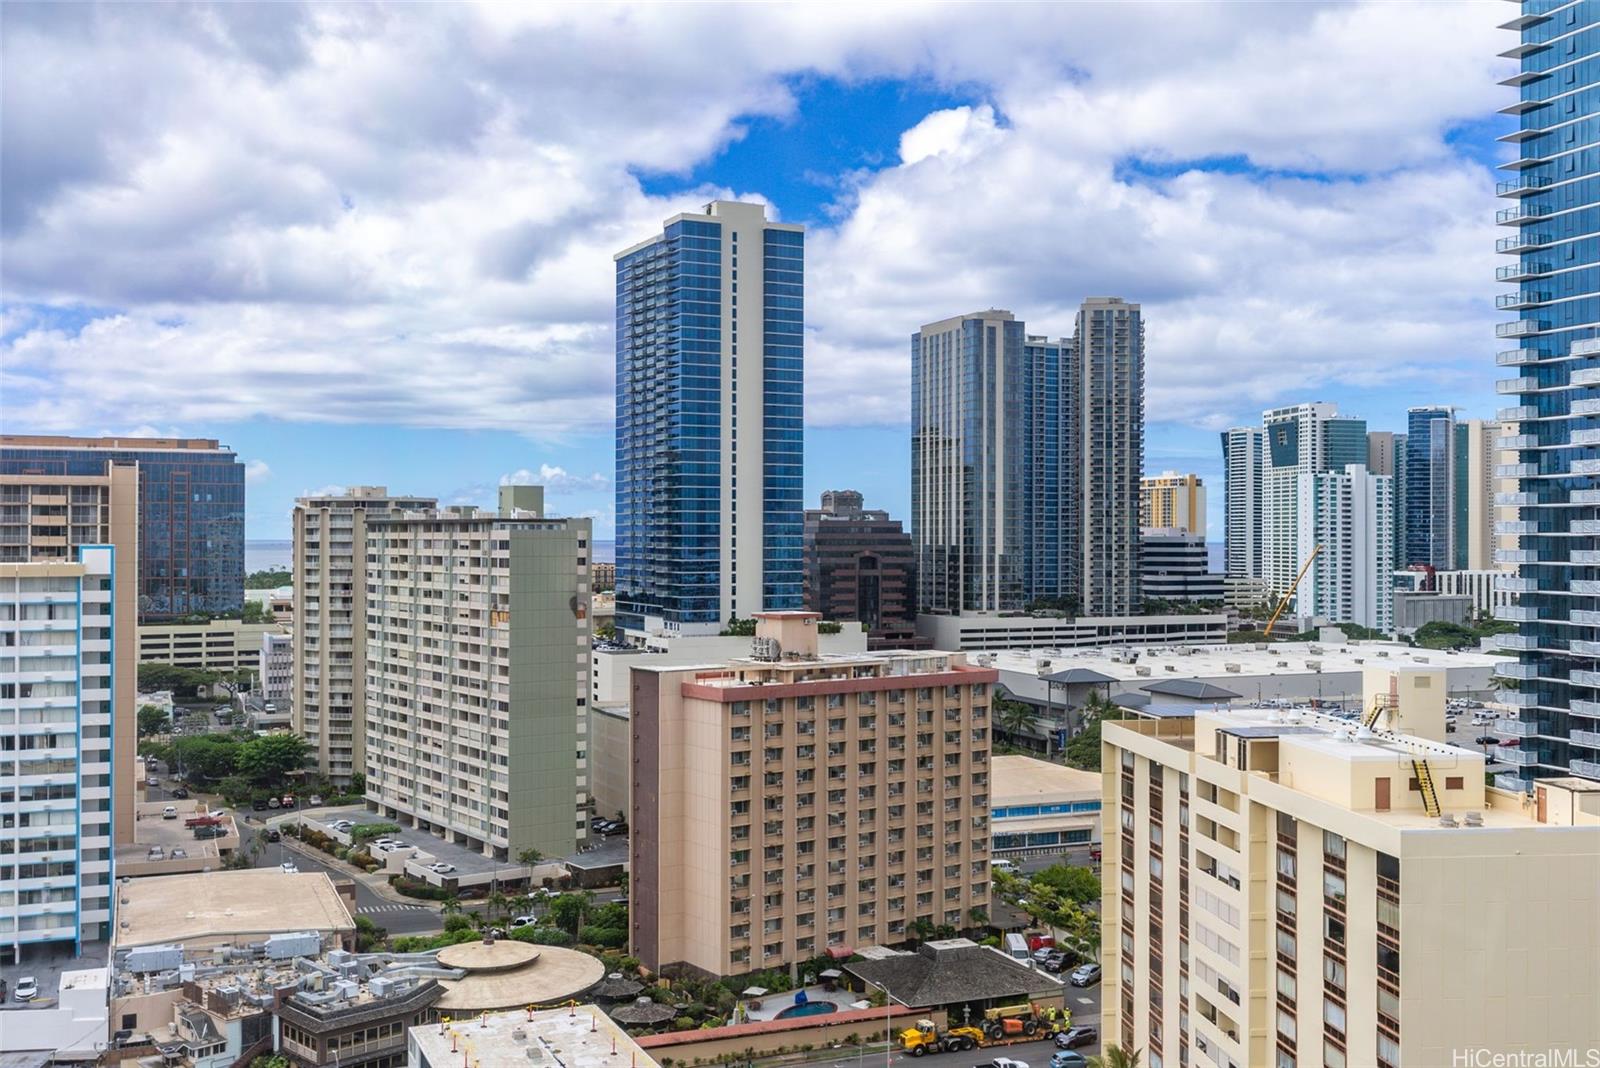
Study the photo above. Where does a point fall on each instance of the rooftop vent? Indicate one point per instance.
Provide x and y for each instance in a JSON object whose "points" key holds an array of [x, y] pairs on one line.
{"points": [[1473, 819], [1448, 820]]}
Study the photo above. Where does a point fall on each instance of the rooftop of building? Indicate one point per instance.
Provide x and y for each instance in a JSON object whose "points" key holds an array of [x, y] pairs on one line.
{"points": [[1140, 665], [579, 1036], [1019, 779], [952, 970], [1334, 760], [224, 905], [507, 973], [63, 441]]}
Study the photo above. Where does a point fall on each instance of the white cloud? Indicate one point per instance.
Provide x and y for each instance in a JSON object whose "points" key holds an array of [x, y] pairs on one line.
{"points": [[256, 471], [556, 479], [406, 214]]}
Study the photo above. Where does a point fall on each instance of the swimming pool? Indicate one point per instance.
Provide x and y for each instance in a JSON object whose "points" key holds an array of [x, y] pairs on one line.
{"points": [[810, 1008]]}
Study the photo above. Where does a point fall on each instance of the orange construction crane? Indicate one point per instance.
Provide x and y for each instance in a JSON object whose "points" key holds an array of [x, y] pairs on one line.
{"points": [[1292, 587]]}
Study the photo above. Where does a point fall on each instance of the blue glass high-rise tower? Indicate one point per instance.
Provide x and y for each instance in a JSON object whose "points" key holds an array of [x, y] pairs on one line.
{"points": [[1553, 198], [1431, 483], [191, 513], [695, 545]]}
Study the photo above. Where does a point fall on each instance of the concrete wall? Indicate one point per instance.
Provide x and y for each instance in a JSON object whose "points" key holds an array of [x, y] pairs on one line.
{"points": [[608, 760]]}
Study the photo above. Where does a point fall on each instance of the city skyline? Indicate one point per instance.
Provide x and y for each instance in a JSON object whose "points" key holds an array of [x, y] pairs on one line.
{"points": [[501, 365]]}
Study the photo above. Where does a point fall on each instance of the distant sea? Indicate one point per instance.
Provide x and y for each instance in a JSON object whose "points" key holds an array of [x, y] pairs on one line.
{"points": [[279, 555]]}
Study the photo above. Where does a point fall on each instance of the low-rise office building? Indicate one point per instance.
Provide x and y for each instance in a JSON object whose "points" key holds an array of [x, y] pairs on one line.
{"points": [[1041, 808], [1291, 888], [276, 668], [997, 633], [788, 803]]}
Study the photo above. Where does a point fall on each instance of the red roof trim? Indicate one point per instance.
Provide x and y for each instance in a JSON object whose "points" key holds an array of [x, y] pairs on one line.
{"points": [[877, 684]]}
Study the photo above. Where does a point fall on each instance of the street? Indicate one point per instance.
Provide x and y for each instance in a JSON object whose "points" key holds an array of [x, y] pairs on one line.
{"points": [[1085, 1006]]}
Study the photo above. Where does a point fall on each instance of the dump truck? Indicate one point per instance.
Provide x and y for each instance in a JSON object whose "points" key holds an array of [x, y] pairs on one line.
{"points": [[925, 1037]]}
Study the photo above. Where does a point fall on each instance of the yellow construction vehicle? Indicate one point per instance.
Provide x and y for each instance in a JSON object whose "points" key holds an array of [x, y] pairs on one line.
{"points": [[1010, 1021], [1290, 595], [925, 1037]]}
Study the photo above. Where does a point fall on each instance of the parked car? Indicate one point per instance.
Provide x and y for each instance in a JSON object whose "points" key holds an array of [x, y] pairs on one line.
{"points": [[170, 812], [1042, 954], [1066, 1058], [156, 853], [441, 868], [152, 781], [27, 989], [180, 793], [1077, 1035], [273, 802], [1003, 1062], [1004, 864], [1085, 975], [288, 868], [258, 805], [341, 825], [272, 836], [178, 853], [314, 799], [521, 921], [1057, 960], [288, 801], [1487, 739], [617, 827]]}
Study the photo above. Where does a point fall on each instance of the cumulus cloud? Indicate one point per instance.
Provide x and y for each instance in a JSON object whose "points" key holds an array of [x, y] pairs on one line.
{"points": [[555, 479], [256, 471], [406, 214]]}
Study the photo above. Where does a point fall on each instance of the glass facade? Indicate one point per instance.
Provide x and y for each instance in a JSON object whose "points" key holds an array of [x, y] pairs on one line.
{"points": [[1552, 210], [1430, 489], [678, 421], [191, 519]]}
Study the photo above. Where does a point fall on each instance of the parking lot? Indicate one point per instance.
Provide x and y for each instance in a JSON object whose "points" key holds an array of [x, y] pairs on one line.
{"points": [[45, 963]]}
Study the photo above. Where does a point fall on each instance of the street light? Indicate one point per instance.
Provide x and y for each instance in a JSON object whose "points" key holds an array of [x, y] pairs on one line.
{"points": [[888, 1019]]}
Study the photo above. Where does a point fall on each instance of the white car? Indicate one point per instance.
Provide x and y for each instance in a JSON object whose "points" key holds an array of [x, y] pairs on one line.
{"points": [[341, 825], [441, 869], [289, 868], [27, 989], [1004, 1062], [521, 921]]}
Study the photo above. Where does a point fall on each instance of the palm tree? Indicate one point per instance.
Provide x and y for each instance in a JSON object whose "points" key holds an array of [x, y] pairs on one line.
{"points": [[1013, 717], [1116, 1057], [495, 904], [922, 929], [451, 906]]}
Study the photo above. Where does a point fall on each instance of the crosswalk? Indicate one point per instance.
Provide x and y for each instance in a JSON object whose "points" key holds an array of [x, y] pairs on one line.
{"points": [[393, 908]]}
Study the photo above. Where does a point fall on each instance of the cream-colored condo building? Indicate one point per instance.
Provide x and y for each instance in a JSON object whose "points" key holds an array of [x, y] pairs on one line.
{"points": [[790, 803], [1293, 889]]}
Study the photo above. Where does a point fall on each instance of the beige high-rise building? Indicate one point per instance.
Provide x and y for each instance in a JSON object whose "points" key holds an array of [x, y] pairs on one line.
{"points": [[1293, 889], [788, 803], [50, 519], [1482, 511], [477, 674], [330, 631], [1173, 501]]}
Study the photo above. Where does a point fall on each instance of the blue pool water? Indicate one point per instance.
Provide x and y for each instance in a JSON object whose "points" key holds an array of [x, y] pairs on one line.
{"points": [[810, 1008]]}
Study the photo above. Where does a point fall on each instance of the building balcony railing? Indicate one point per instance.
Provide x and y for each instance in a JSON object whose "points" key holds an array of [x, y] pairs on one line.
{"points": [[1589, 769], [1514, 670], [1516, 728], [1519, 242], [1516, 357], [1516, 413], [1519, 328], [1526, 298], [1588, 738], [1516, 385], [1522, 214], [1521, 187], [1510, 754]]}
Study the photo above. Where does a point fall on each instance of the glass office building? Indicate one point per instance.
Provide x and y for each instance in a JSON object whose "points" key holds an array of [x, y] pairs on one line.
{"points": [[692, 550], [1431, 483], [191, 513], [1551, 196]]}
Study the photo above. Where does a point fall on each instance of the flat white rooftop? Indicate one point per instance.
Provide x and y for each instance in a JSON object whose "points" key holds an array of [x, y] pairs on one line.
{"points": [[577, 1037], [1209, 661]]}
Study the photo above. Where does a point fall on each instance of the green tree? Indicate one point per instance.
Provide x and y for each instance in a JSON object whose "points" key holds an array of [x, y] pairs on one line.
{"points": [[267, 580], [206, 758], [1014, 717], [255, 612], [369, 936], [1116, 1057], [152, 720], [978, 916], [567, 911], [180, 680], [268, 759], [921, 929], [1083, 749], [529, 857], [1078, 885]]}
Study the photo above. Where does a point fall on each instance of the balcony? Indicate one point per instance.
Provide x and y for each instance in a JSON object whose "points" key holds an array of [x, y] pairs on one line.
{"points": [[1519, 328], [1589, 769], [1519, 613], [1588, 738], [1519, 215], [1524, 49], [1513, 415], [1516, 357], [1588, 709], [1516, 728], [1521, 78], [1510, 754], [1512, 670], [1519, 242], [1521, 187], [1526, 298], [1516, 385]]}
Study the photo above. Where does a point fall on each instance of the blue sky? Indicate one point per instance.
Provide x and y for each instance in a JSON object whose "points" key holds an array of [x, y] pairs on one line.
{"points": [[391, 263]]}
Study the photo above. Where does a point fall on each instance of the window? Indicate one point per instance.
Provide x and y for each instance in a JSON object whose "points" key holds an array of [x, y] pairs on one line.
{"points": [[1332, 845], [1286, 863], [1332, 1055], [1287, 984], [1333, 973], [1286, 1027], [1333, 1014], [1453, 782], [1333, 929]]}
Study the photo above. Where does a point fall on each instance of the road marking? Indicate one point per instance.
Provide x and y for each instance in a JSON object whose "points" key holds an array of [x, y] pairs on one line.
{"points": [[393, 908], [1085, 1001]]}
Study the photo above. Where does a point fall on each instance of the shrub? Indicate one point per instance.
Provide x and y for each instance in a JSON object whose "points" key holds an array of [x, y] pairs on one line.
{"points": [[373, 830], [683, 1023], [606, 937], [415, 888], [542, 936]]}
